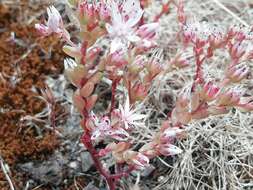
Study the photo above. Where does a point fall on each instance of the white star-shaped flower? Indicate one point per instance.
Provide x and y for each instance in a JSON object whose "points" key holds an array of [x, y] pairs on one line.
{"points": [[129, 116]]}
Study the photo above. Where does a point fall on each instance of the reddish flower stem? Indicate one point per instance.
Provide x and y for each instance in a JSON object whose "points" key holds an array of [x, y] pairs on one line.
{"points": [[114, 87], [165, 10], [198, 78], [86, 140]]}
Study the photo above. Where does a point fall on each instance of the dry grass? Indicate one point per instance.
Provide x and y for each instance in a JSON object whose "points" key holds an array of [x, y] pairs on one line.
{"points": [[218, 151]]}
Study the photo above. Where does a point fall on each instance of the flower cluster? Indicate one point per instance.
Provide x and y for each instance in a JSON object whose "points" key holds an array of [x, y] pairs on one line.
{"points": [[126, 64]]}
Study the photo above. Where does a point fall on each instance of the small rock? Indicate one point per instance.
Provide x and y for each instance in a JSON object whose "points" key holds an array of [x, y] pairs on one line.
{"points": [[86, 161]]}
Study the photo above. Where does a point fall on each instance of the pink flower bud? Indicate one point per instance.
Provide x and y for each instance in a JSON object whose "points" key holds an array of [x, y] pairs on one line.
{"points": [[169, 134], [180, 117], [89, 15], [169, 149], [136, 158], [210, 91], [246, 104], [237, 73], [148, 31], [228, 98], [180, 61], [149, 150], [236, 51], [92, 54], [217, 110], [104, 12], [138, 92]]}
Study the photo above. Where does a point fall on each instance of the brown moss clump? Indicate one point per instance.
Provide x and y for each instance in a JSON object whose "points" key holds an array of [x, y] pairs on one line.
{"points": [[24, 65]]}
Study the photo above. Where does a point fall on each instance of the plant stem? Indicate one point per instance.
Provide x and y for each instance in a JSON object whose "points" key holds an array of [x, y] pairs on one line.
{"points": [[114, 86], [86, 140]]}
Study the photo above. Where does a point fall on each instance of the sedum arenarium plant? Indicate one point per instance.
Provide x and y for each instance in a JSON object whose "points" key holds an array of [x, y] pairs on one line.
{"points": [[126, 64]]}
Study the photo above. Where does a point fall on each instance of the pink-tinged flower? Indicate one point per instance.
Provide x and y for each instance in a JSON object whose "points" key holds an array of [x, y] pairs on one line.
{"points": [[217, 110], [237, 50], [136, 158], [54, 23], [210, 91], [180, 61], [129, 117], [147, 33], [237, 73], [246, 104], [104, 129], [170, 133], [169, 149], [140, 160], [124, 18], [228, 98], [118, 58]]}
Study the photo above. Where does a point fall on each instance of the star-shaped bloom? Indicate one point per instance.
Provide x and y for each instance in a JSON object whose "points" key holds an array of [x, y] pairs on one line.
{"points": [[53, 25], [103, 129], [124, 18], [130, 117]]}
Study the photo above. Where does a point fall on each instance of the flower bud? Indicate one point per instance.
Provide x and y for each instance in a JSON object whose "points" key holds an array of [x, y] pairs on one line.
{"points": [[170, 134], [246, 104], [138, 92], [149, 150], [148, 31], [201, 113], [180, 62], [236, 51], [237, 73], [136, 158], [228, 98], [180, 117], [209, 92], [92, 54], [169, 150], [217, 110]]}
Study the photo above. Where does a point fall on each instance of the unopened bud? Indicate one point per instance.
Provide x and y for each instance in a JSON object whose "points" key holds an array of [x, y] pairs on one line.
{"points": [[237, 73]]}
